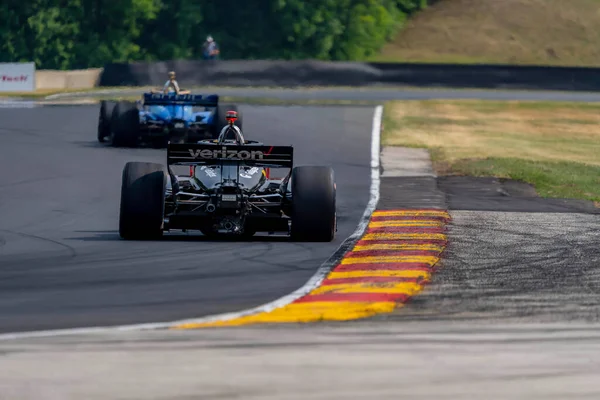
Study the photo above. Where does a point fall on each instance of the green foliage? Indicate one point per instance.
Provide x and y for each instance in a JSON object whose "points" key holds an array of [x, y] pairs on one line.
{"points": [[63, 34], [369, 24]]}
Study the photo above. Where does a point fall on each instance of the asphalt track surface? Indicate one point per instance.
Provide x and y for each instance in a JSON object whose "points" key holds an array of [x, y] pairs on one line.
{"points": [[63, 265]]}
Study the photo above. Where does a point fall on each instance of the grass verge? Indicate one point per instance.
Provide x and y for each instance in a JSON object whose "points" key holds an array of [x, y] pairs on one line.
{"points": [[554, 146], [268, 101], [40, 94]]}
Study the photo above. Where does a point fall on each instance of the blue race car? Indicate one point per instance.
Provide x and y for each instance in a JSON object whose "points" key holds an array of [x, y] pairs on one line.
{"points": [[160, 118]]}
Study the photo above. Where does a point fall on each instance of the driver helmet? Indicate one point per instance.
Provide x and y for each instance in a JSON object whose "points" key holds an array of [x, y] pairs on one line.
{"points": [[231, 117], [209, 38]]}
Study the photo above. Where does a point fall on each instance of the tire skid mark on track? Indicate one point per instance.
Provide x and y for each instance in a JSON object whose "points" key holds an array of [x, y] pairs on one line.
{"points": [[389, 268], [69, 249]]}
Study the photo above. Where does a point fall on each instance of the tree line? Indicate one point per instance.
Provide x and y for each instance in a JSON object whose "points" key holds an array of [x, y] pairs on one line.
{"points": [[72, 34]]}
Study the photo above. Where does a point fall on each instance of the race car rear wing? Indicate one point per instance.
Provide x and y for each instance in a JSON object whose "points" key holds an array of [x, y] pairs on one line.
{"points": [[159, 99], [250, 154]]}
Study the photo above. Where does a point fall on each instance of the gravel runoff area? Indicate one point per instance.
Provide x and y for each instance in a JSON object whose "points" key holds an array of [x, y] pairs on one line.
{"points": [[512, 256]]}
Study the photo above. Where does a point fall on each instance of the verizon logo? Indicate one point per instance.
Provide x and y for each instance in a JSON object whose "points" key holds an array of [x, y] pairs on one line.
{"points": [[229, 154], [18, 78]]}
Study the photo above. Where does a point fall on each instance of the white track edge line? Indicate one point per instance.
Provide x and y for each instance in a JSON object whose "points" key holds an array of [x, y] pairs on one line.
{"points": [[311, 284]]}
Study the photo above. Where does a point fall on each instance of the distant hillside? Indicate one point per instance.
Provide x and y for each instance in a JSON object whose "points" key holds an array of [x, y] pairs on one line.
{"points": [[549, 32]]}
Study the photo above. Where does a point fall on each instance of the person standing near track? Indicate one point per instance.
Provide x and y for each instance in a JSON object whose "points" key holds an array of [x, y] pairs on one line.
{"points": [[210, 49]]}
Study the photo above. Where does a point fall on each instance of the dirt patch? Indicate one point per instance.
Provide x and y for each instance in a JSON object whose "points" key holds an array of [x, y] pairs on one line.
{"points": [[548, 32]]}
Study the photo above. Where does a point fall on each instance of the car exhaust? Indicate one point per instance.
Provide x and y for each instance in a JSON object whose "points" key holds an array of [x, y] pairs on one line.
{"points": [[211, 208], [228, 226]]}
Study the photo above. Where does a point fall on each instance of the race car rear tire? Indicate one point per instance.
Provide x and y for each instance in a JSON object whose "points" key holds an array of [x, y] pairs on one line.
{"points": [[313, 208], [106, 109], [222, 121], [125, 124], [142, 201]]}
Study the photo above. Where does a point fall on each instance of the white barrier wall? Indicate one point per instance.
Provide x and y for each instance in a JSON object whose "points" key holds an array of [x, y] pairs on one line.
{"points": [[17, 77], [46, 79]]}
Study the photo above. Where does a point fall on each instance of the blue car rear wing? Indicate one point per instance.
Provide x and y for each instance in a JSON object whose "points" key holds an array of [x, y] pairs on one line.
{"points": [[259, 155], [159, 99]]}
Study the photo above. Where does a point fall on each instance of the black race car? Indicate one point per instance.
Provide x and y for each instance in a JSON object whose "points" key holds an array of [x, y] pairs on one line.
{"points": [[227, 190]]}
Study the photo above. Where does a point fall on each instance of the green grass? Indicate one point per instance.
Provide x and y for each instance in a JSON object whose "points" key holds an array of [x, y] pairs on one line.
{"points": [[554, 146], [550, 179]]}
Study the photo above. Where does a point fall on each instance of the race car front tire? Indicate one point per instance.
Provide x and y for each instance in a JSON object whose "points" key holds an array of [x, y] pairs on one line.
{"points": [[142, 201], [313, 208], [106, 109], [125, 124]]}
